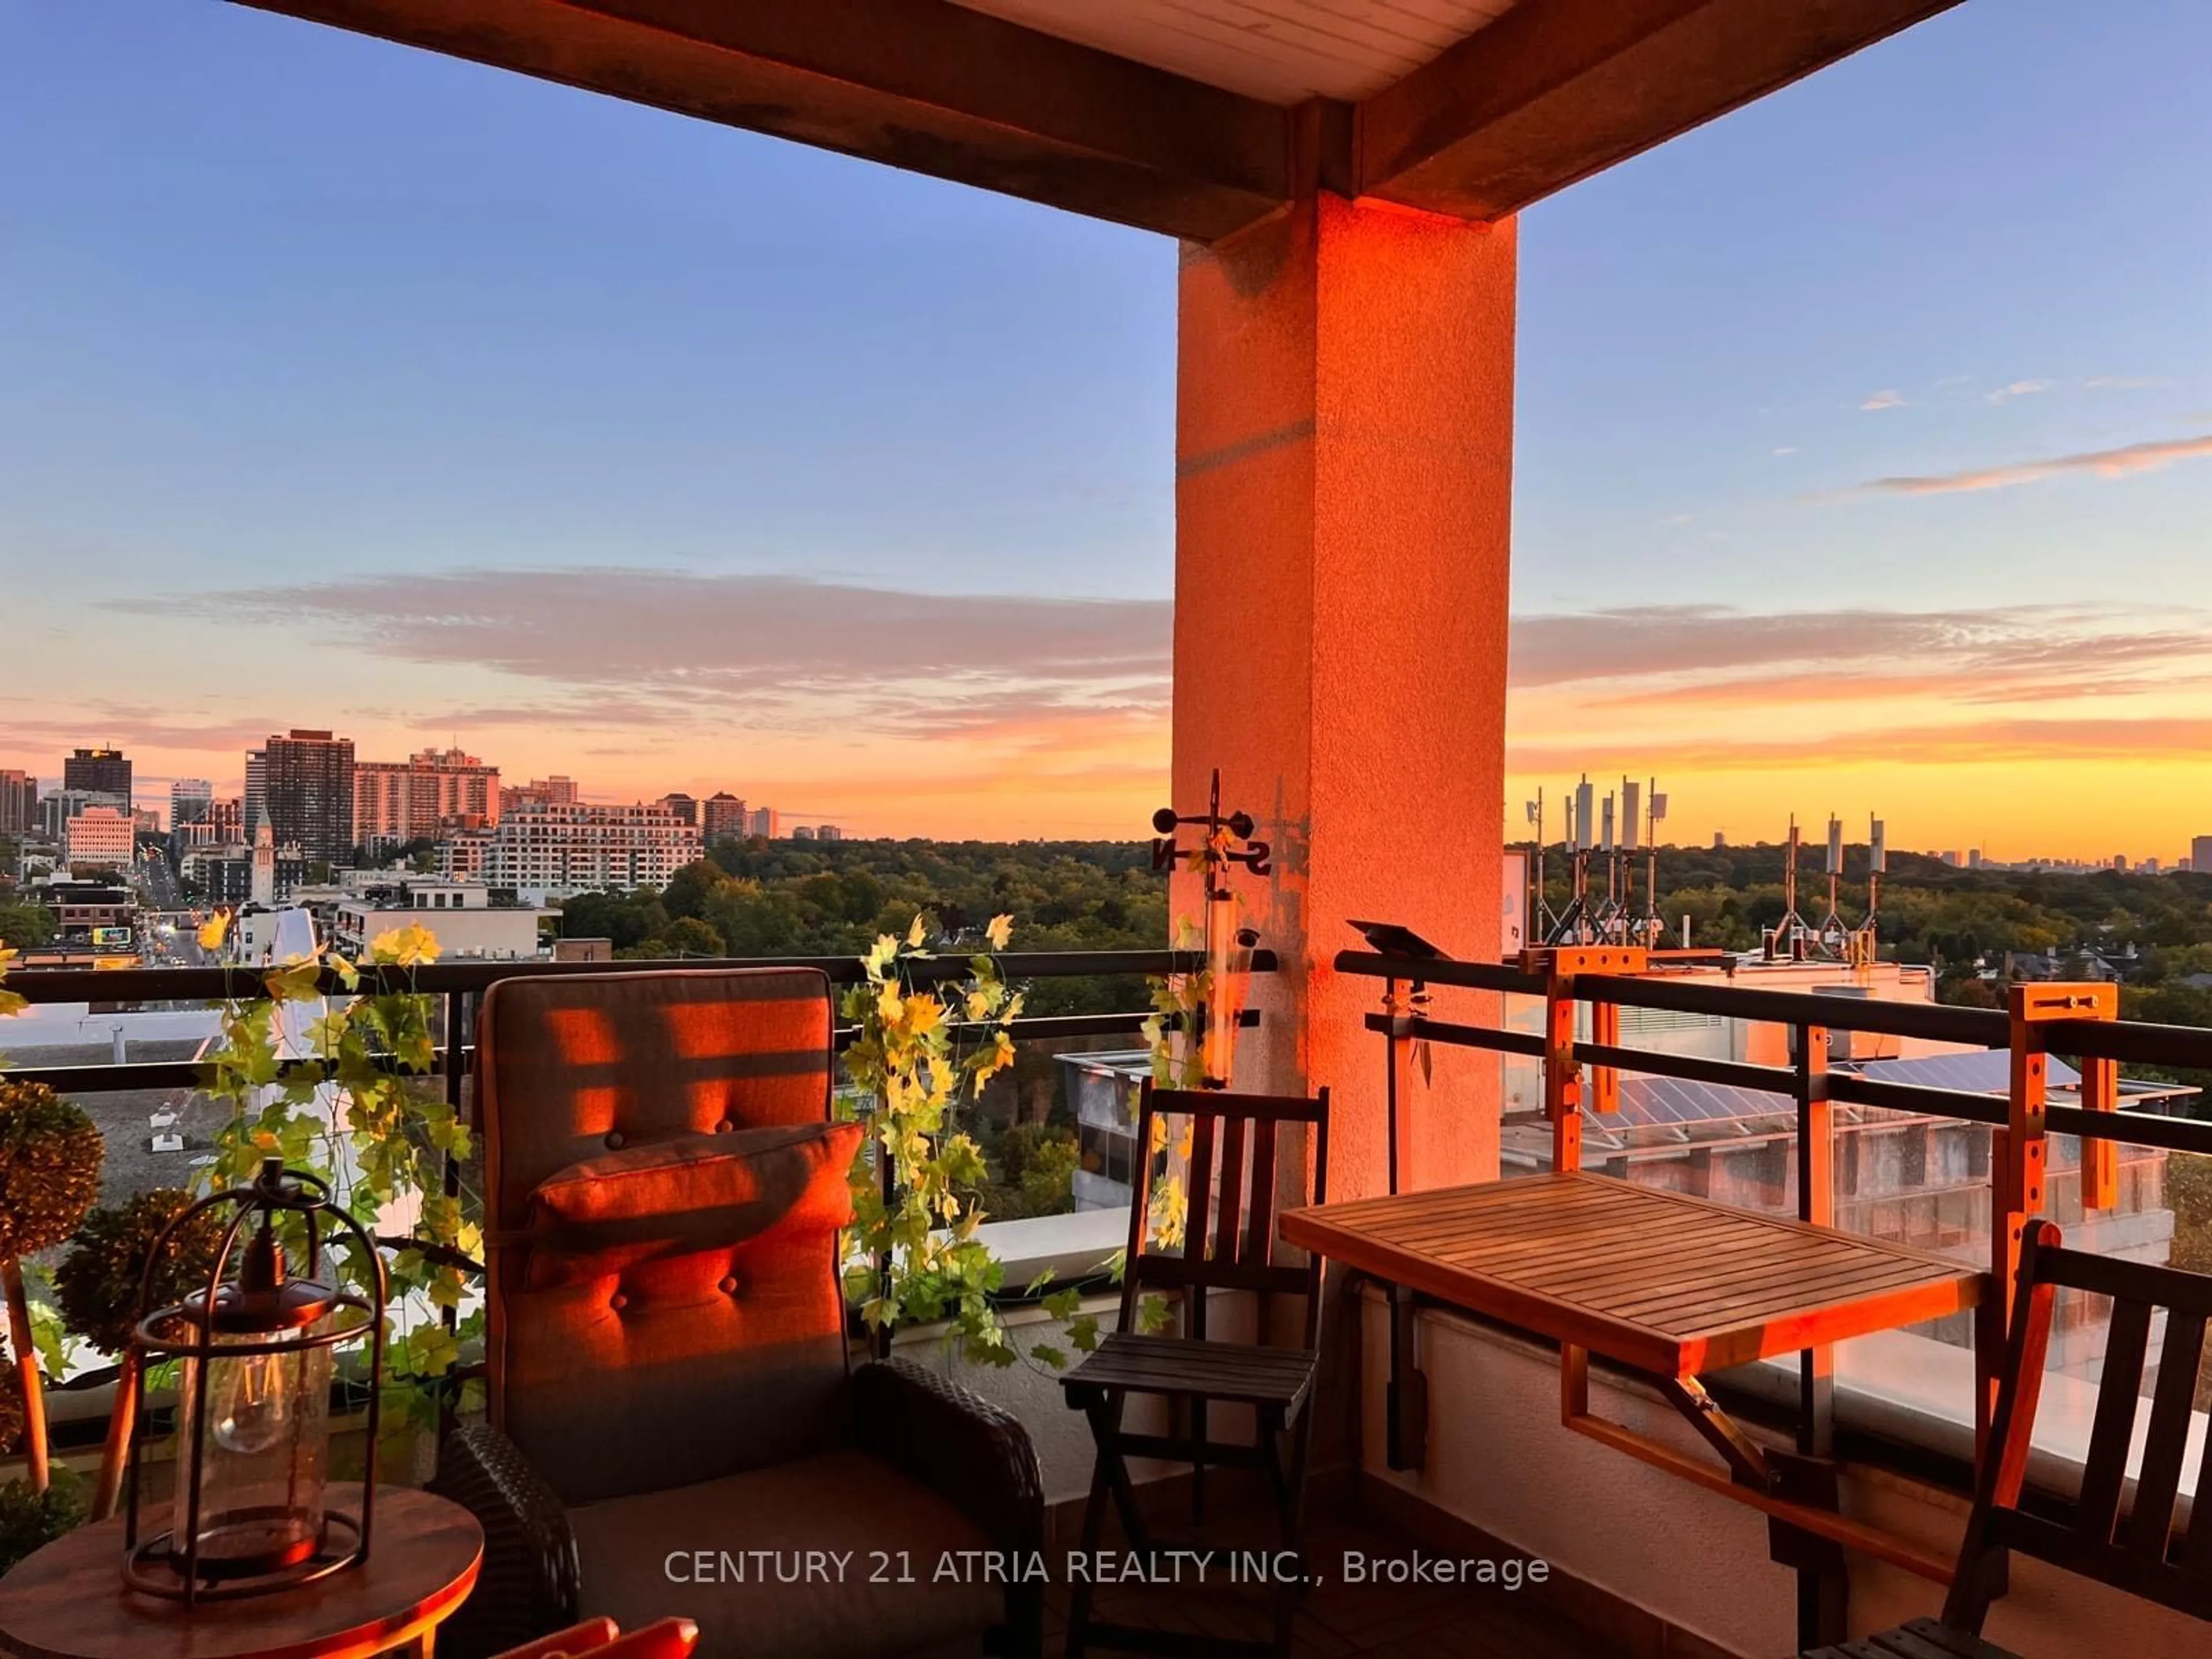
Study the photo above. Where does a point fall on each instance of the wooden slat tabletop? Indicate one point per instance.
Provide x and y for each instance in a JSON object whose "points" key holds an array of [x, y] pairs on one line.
{"points": [[1654, 1280]]}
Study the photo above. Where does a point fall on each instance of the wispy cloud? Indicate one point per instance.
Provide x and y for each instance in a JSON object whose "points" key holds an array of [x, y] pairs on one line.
{"points": [[133, 724], [2150, 738], [2005, 394], [659, 647], [1708, 642], [2121, 462], [1891, 399], [1787, 449], [2118, 382]]}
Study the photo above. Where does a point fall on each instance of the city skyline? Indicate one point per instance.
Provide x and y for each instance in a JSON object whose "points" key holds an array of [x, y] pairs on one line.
{"points": [[1846, 482]]}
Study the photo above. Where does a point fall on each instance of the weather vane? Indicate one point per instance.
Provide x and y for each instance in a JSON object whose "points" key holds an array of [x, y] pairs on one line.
{"points": [[1220, 846]]}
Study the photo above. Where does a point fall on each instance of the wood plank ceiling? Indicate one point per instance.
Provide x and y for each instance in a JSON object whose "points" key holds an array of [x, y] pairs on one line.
{"points": [[1281, 51]]}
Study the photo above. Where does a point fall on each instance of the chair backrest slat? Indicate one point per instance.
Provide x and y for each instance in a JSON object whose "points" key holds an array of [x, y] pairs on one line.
{"points": [[2142, 1561], [1197, 1201], [2105, 1472], [1223, 1231], [2151, 1523], [1260, 1233], [1224, 1246]]}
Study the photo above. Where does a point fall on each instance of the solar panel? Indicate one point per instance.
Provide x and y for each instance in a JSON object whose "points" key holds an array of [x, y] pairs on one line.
{"points": [[1664, 1101], [1651, 1102], [1979, 1070]]}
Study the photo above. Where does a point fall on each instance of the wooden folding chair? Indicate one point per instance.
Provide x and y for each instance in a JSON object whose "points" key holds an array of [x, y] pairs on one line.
{"points": [[1228, 1244], [2141, 1554]]}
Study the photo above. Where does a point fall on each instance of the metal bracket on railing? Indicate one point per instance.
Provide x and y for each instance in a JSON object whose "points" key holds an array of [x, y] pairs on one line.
{"points": [[1557, 966]]}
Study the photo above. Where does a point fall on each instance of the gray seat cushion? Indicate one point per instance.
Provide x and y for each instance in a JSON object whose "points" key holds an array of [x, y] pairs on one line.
{"points": [[683, 1551]]}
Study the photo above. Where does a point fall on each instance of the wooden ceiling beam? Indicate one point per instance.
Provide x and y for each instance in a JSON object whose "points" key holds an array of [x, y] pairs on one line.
{"points": [[920, 84], [1556, 91]]}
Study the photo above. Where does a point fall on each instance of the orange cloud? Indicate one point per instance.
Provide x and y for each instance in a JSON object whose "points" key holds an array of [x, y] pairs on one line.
{"points": [[2129, 459]]}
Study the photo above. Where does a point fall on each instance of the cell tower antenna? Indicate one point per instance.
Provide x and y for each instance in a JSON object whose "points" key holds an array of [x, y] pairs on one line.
{"points": [[1834, 933], [1787, 935], [1655, 809]]}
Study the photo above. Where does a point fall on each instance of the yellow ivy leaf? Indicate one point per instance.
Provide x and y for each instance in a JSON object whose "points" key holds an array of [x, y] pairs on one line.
{"points": [[213, 929], [1000, 930]]}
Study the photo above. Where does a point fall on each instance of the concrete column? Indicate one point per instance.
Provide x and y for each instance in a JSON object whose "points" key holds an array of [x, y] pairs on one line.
{"points": [[1343, 483]]}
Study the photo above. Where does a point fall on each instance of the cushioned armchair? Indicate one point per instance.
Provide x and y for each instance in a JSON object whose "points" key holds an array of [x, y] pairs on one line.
{"points": [[676, 1425]]}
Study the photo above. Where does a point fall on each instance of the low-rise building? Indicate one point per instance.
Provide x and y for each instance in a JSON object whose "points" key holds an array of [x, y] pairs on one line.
{"points": [[461, 915], [99, 912], [226, 873]]}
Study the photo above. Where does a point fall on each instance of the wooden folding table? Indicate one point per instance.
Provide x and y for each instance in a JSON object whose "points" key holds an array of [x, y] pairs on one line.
{"points": [[1668, 1286]]}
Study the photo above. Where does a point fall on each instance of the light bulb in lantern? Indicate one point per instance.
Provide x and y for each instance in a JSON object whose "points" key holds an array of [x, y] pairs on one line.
{"points": [[253, 1406]]}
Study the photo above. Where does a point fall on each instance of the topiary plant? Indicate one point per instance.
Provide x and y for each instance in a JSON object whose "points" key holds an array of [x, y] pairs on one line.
{"points": [[98, 1282], [99, 1285], [49, 1155], [31, 1518]]}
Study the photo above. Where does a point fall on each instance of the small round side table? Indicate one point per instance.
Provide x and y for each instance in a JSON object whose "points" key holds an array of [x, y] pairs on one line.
{"points": [[68, 1601]]}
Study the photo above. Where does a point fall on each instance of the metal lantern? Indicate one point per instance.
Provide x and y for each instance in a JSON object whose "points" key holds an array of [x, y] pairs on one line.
{"points": [[255, 1351]]}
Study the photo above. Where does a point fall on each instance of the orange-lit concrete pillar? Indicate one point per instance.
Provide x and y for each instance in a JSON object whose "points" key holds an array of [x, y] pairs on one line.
{"points": [[1344, 482]]}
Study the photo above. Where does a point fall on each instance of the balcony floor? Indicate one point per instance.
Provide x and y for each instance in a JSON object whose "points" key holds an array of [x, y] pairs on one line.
{"points": [[1341, 1620]]}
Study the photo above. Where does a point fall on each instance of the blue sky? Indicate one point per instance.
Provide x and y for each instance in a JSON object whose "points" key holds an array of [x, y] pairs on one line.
{"points": [[309, 344]]}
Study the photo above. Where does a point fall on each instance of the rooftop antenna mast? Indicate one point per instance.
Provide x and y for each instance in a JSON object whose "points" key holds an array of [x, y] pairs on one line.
{"points": [[1787, 936], [1867, 939], [1541, 917], [1655, 810], [1834, 933], [1569, 927], [1609, 843]]}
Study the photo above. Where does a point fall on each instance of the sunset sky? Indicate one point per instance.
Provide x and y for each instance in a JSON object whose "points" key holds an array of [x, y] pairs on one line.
{"points": [[1865, 452]]}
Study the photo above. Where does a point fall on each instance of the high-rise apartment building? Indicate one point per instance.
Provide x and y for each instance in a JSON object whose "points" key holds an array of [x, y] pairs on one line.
{"points": [[191, 800], [546, 849], [99, 772], [761, 821], [722, 817], [555, 791], [686, 807], [2200, 853], [829, 832], [255, 798], [19, 803], [400, 801], [308, 793]]}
